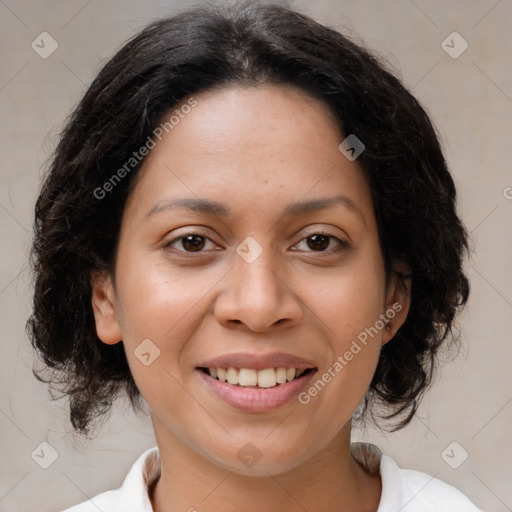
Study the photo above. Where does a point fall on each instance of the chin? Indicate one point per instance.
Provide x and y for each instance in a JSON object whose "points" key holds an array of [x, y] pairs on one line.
{"points": [[262, 461]]}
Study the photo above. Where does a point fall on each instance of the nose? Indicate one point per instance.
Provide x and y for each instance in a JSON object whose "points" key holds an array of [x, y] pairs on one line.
{"points": [[258, 296]]}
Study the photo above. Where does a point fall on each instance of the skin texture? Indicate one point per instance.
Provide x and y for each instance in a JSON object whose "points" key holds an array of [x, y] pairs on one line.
{"points": [[256, 150]]}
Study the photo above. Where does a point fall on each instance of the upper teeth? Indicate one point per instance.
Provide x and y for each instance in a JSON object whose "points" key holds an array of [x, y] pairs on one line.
{"points": [[266, 378]]}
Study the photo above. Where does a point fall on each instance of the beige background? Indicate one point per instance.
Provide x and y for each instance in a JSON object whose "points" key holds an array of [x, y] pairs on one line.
{"points": [[470, 101]]}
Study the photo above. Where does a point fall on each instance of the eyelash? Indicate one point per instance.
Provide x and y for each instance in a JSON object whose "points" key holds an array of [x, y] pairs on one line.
{"points": [[191, 254]]}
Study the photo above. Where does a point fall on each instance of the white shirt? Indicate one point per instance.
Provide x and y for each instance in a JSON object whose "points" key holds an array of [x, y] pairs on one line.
{"points": [[403, 490]]}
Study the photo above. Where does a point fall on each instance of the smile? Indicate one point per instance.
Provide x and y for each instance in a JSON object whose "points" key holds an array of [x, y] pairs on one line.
{"points": [[253, 390], [248, 377]]}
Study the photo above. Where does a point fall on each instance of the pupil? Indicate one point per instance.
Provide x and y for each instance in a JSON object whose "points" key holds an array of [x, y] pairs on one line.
{"points": [[319, 242], [193, 242]]}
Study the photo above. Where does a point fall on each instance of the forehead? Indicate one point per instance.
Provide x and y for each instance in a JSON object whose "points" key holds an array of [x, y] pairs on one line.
{"points": [[261, 119], [261, 145]]}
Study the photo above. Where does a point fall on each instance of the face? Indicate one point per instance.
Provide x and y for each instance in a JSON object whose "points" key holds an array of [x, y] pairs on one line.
{"points": [[251, 238]]}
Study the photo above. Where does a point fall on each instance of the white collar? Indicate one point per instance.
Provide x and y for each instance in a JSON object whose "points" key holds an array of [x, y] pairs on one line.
{"points": [[403, 490]]}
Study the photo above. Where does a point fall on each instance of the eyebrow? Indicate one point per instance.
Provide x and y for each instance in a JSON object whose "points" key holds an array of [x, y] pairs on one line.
{"points": [[296, 209]]}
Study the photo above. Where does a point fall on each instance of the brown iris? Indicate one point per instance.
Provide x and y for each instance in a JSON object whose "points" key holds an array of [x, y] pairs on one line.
{"points": [[193, 243], [320, 242]]}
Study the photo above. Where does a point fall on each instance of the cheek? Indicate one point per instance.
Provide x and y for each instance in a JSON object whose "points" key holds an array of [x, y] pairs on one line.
{"points": [[350, 299], [159, 301], [349, 304], [158, 316]]}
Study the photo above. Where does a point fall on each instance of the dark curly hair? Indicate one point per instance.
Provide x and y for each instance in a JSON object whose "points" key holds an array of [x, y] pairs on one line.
{"points": [[201, 48]]}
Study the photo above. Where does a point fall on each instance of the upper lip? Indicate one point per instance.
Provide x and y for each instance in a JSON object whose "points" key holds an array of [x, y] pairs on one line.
{"points": [[258, 362]]}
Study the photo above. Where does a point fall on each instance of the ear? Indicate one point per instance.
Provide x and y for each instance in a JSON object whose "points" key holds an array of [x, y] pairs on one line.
{"points": [[398, 301], [104, 308]]}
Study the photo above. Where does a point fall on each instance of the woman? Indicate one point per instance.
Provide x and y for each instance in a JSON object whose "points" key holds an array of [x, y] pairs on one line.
{"points": [[249, 224]]}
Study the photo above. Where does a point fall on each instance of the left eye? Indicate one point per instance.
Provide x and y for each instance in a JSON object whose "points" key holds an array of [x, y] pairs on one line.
{"points": [[319, 242]]}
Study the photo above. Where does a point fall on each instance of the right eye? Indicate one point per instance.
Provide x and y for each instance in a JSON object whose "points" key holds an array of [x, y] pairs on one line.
{"points": [[190, 243]]}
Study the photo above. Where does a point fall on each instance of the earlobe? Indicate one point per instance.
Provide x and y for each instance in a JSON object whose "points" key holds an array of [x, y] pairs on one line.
{"points": [[104, 308], [398, 301]]}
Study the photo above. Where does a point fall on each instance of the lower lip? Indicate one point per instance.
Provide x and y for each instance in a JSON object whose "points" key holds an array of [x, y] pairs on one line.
{"points": [[257, 399]]}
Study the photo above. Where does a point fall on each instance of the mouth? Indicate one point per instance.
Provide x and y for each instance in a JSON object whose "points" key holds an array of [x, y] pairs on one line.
{"points": [[255, 379], [255, 391]]}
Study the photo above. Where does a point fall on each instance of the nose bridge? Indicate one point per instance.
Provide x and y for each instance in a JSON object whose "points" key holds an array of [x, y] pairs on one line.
{"points": [[256, 277], [256, 274], [257, 294]]}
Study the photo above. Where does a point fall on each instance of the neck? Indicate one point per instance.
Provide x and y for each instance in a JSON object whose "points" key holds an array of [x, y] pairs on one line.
{"points": [[330, 480]]}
